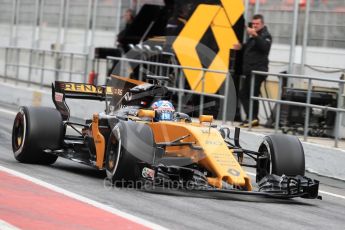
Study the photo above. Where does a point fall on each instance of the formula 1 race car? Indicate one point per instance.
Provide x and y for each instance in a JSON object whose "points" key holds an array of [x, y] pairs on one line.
{"points": [[140, 137]]}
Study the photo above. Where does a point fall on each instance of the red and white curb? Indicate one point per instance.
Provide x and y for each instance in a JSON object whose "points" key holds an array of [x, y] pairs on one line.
{"points": [[29, 203]]}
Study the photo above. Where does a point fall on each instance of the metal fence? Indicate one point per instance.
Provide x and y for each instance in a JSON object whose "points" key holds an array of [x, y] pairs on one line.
{"points": [[180, 89], [154, 54], [324, 27], [307, 104], [306, 24], [79, 25], [41, 67], [70, 25]]}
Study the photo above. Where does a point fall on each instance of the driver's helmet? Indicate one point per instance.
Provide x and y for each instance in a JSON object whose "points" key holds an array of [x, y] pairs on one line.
{"points": [[164, 110]]}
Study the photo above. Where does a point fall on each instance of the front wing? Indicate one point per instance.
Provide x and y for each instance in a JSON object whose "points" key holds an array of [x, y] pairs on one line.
{"points": [[271, 186]]}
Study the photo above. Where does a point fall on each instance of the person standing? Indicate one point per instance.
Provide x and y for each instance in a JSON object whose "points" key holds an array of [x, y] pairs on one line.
{"points": [[122, 41], [255, 57], [123, 38]]}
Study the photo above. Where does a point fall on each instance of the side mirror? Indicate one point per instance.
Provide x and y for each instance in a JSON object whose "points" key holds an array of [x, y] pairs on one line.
{"points": [[205, 118], [146, 113]]}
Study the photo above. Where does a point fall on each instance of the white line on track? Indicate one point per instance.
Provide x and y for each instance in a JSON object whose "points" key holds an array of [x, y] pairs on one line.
{"points": [[320, 191], [8, 111], [331, 194], [304, 142], [252, 174], [6, 226], [83, 199]]}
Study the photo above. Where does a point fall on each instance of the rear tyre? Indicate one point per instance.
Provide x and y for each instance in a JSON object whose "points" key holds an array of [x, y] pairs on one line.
{"points": [[282, 154], [36, 129], [121, 167]]}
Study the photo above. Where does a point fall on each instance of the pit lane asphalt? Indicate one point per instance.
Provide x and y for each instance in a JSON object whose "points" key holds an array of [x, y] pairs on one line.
{"points": [[183, 211]]}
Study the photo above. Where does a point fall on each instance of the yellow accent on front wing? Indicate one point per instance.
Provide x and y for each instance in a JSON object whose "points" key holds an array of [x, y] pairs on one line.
{"points": [[215, 157]]}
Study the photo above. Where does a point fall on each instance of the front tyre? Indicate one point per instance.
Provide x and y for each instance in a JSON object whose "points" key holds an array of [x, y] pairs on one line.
{"points": [[114, 150], [282, 154], [121, 166], [36, 129]]}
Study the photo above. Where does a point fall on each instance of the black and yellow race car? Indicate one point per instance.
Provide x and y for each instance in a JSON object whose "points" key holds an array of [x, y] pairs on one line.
{"points": [[140, 138]]}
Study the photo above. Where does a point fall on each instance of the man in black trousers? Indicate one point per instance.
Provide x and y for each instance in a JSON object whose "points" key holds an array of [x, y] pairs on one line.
{"points": [[255, 57]]}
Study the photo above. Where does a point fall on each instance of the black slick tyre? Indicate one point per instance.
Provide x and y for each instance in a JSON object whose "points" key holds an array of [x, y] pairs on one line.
{"points": [[121, 167], [282, 154], [36, 129]]}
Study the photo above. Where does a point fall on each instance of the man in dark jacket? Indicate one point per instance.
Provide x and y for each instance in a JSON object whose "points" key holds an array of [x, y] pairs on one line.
{"points": [[123, 39], [255, 57]]}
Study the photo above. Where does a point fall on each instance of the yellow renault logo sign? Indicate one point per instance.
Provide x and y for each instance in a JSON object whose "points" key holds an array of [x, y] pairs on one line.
{"points": [[220, 18]]}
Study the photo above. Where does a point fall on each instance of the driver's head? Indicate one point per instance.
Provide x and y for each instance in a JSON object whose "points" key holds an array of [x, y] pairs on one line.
{"points": [[164, 110]]}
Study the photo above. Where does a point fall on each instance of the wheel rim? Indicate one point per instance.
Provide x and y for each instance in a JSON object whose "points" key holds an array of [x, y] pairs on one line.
{"points": [[114, 153], [19, 133], [269, 166], [267, 151]]}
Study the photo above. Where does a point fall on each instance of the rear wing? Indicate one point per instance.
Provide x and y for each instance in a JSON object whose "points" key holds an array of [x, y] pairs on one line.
{"points": [[118, 86], [81, 90], [62, 90]]}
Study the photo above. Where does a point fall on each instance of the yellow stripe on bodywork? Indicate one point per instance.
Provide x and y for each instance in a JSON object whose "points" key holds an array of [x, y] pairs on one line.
{"points": [[215, 156], [99, 141], [219, 159], [137, 82]]}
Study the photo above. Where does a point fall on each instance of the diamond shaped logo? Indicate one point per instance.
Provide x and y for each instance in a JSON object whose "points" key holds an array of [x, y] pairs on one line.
{"points": [[186, 46]]}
